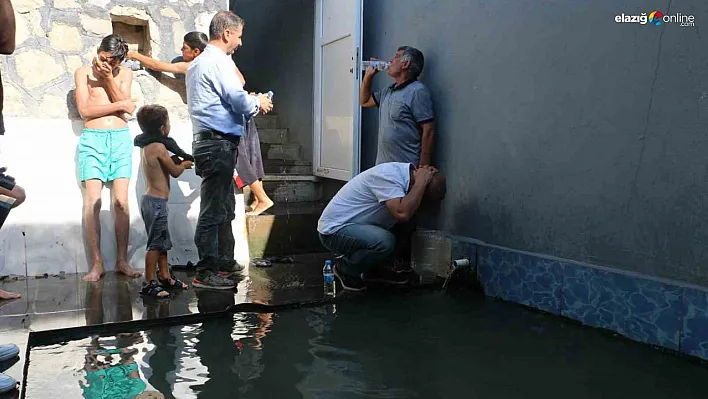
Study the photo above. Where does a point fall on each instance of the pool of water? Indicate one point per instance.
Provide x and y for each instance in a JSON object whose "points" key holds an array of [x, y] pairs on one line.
{"points": [[412, 345]]}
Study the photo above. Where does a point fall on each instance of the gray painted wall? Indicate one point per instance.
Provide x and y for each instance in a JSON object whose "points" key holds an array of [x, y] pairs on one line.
{"points": [[560, 131], [277, 55]]}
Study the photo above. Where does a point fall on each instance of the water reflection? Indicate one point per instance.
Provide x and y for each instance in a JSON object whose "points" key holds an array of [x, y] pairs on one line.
{"points": [[117, 309], [177, 362], [423, 346], [165, 348], [110, 370]]}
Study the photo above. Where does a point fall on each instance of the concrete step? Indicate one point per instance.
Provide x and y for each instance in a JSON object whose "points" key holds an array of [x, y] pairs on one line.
{"points": [[292, 188], [269, 121], [285, 229], [283, 167], [273, 136], [288, 152]]}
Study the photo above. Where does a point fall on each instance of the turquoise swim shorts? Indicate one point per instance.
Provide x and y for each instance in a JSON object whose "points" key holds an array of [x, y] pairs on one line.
{"points": [[105, 154]]}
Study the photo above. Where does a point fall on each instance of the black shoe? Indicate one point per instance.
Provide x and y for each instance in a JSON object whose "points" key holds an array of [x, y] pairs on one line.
{"points": [[349, 283], [385, 276]]}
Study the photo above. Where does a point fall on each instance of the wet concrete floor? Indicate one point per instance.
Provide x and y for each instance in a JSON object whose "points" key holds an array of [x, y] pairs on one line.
{"points": [[66, 301]]}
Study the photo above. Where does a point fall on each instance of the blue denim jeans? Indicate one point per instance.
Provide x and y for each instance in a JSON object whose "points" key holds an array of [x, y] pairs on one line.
{"points": [[363, 246], [214, 162]]}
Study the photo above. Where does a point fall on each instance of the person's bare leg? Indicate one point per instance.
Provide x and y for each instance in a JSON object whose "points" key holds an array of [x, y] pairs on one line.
{"points": [[263, 202], [164, 267], [8, 295], [92, 225], [151, 260], [122, 223], [165, 271], [253, 204]]}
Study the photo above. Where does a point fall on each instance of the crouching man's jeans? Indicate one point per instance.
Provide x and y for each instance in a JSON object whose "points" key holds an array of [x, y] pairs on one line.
{"points": [[215, 161], [364, 247]]}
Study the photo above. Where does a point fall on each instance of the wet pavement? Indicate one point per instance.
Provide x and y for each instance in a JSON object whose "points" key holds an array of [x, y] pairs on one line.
{"points": [[65, 301]]}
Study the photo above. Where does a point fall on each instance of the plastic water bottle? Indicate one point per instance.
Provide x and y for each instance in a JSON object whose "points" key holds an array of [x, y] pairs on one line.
{"points": [[132, 64], [328, 275], [380, 65]]}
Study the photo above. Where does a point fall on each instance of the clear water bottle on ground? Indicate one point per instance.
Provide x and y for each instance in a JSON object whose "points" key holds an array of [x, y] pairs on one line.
{"points": [[328, 275], [380, 65]]}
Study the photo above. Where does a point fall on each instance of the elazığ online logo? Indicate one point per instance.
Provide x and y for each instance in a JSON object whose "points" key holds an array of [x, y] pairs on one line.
{"points": [[657, 18]]}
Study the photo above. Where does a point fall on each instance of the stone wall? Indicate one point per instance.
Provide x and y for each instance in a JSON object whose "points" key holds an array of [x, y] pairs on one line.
{"points": [[55, 37]]}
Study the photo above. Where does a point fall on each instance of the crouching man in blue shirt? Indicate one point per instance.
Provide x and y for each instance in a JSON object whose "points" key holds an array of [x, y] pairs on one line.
{"points": [[218, 107], [357, 221]]}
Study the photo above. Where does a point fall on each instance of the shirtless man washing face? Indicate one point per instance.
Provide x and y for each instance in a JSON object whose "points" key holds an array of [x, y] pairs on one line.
{"points": [[106, 147]]}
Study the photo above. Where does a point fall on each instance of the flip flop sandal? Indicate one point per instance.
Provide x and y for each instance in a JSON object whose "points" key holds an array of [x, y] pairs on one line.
{"points": [[152, 289], [261, 263], [177, 284]]}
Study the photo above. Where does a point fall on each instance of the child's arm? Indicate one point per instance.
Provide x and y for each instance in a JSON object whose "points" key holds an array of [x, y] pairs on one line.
{"points": [[159, 66], [172, 168]]}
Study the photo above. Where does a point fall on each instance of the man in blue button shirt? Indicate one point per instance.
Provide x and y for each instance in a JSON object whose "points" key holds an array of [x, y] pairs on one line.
{"points": [[218, 107]]}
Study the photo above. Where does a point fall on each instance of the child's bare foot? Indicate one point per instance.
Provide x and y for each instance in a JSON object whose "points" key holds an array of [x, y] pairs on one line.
{"points": [[96, 272], [9, 295], [253, 206], [260, 208], [122, 267]]}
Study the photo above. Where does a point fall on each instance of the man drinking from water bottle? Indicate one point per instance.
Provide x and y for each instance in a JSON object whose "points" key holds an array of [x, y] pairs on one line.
{"points": [[406, 124]]}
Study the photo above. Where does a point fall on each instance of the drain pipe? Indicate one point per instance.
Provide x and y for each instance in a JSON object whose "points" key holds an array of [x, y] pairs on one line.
{"points": [[457, 264]]}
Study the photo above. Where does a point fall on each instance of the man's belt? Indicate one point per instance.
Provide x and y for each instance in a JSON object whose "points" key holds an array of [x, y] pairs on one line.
{"points": [[216, 135]]}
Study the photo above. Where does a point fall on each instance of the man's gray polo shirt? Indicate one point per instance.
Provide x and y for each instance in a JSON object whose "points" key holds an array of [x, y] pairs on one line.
{"points": [[401, 109]]}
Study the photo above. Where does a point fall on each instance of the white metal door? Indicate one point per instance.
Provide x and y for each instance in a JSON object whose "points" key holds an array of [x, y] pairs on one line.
{"points": [[338, 31]]}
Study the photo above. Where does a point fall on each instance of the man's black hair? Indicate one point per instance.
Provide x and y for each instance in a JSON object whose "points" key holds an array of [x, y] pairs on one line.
{"points": [[116, 45], [196, 40]]}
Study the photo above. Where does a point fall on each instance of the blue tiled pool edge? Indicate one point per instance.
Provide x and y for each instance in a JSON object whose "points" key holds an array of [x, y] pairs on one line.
{"points": [[645, 309]]}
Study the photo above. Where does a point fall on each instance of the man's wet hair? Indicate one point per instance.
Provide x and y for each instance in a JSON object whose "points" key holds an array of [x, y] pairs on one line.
{"points": [[436, 189], [116, 45], [196, 40], [151, 118], [223, 20]]}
